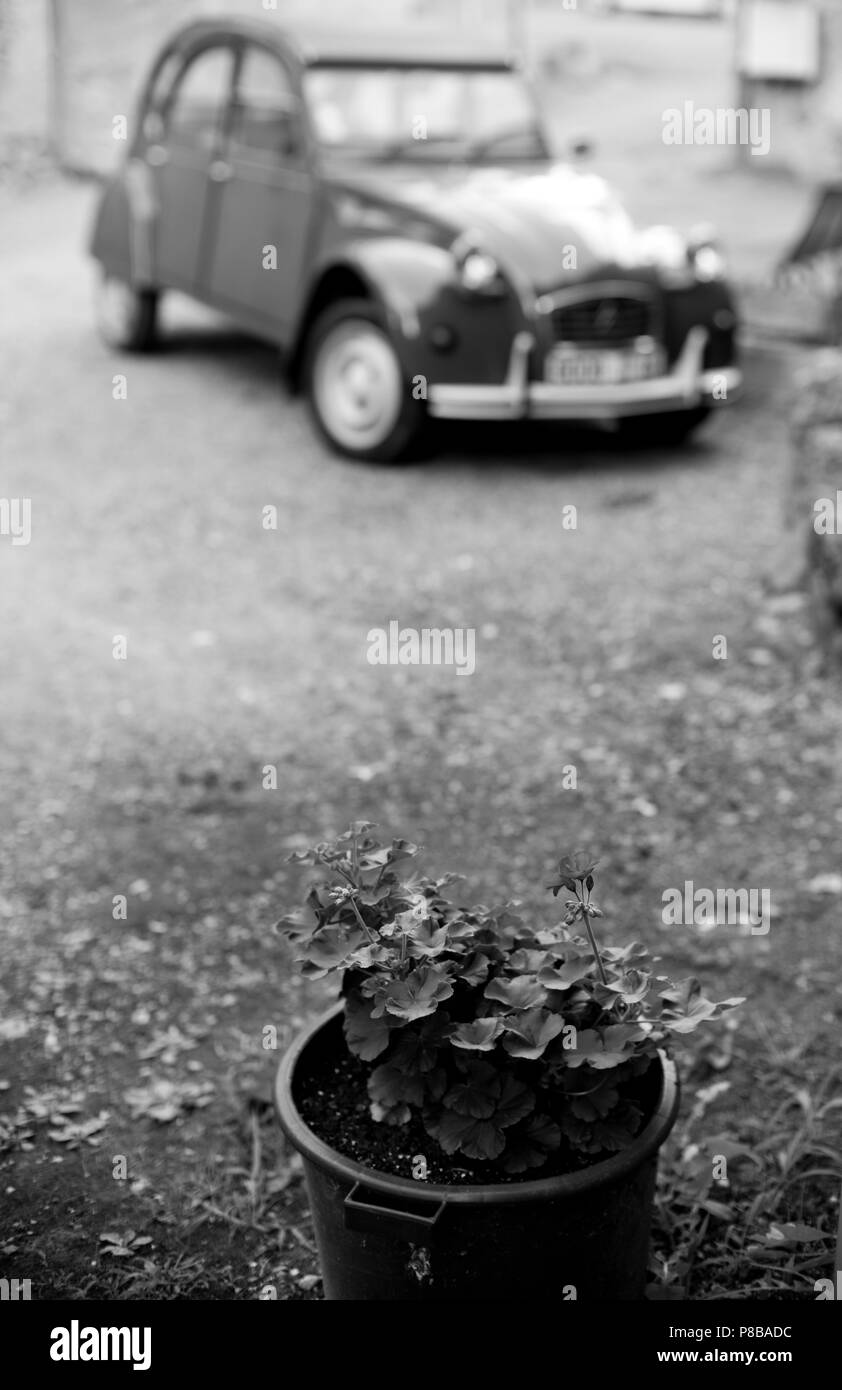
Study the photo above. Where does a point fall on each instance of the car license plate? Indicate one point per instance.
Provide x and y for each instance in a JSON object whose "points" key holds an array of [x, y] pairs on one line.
{"points": [[566, 365]]}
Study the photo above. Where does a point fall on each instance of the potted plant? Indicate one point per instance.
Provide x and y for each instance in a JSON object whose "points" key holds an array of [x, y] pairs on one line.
{"points": [[480, 1116]]}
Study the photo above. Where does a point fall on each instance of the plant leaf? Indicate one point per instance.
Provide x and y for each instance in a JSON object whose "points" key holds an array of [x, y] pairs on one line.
{"points": [[529, 1034], [477, 1095], [389, 1085], [521, 992], [483, 1140], [479, 1036], [516, 1101], [475, 968], [530, 1147], [419, 995], [328, 949], [418, 1049], [573, 969], [686, 1007], [607, 1049], [366, 1037], [792, 1233]]}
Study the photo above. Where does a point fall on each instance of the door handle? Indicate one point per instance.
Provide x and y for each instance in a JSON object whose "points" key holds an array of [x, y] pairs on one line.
{"points": [[220, 171]]}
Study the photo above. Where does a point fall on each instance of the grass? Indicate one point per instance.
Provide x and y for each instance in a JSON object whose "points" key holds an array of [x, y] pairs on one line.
{"points": [[767, 1228]]}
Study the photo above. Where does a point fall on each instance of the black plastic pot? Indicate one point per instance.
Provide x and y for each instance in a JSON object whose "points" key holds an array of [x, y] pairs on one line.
{"points": [[389, 1238]]}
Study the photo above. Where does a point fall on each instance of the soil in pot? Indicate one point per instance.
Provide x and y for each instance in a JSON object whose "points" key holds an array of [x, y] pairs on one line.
{"points": [[333, 1101]]}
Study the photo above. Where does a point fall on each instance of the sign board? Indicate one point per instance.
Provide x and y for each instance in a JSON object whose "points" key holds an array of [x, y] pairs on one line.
{"points": [[779, 40]]}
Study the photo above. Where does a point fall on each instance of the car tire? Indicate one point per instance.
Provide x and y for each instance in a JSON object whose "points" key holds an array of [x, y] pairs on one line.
{"points": [[359, 395], [670, 429], [126, 317]]}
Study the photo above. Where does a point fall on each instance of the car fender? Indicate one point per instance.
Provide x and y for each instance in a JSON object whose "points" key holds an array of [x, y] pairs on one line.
{"points": [[414, 284], [122, 238], [402, 277]]}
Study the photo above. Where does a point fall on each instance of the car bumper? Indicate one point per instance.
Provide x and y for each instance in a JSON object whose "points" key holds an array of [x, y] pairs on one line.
{"points": [[685, 387]]}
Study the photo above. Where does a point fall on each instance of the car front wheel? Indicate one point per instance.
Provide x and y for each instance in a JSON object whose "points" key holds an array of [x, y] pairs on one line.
{"points": [[126, 317], [358, 393]]}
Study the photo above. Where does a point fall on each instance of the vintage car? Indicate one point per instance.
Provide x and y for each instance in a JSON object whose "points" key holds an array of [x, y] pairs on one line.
{"points": [[393, 218]]}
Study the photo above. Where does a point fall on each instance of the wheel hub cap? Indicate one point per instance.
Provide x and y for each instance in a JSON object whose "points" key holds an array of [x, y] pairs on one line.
{"points": [[357, 385]]}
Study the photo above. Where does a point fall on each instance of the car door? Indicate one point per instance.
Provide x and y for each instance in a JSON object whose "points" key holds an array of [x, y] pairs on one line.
{"points": [[265, 205], [190, 126]]}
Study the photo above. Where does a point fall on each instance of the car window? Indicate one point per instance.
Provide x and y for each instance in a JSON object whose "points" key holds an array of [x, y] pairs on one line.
{"points": [[197, 108], [158, 95], [423, 110], [265, 123]]}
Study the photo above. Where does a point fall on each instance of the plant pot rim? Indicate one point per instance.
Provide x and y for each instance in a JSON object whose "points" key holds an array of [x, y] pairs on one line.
{"points": [[608, 1170]]}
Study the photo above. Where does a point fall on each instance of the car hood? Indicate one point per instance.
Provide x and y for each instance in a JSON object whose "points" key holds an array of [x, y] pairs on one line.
{"points": [[530, 218]]}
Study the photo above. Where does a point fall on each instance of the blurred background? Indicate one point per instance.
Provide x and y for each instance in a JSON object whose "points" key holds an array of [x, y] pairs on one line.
{"points": [[605, 71]]}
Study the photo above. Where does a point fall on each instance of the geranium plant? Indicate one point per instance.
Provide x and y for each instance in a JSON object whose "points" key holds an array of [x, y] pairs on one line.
{"points": [[508, 1041]]}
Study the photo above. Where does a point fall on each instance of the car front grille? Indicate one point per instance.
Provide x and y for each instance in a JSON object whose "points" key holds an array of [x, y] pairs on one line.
{"points": [[603, 321]]}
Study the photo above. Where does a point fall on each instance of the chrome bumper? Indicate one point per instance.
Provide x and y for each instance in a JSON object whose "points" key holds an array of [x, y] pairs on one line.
{"points": [[686, 386]]}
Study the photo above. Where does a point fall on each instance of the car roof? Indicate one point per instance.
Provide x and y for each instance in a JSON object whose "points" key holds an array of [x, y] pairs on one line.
{"points": [[405, 48], [412, 46]]}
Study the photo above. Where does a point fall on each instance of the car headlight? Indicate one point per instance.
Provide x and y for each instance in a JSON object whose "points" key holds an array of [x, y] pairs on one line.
{"points": [[708, 263], [477, 270], [703, 252]]}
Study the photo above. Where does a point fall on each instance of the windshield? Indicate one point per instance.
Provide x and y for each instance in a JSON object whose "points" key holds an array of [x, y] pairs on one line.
{"points": [[424, 113]]}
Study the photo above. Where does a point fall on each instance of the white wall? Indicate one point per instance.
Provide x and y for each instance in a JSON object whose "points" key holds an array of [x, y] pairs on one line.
{"points": [[24, 77], [806, 121]]}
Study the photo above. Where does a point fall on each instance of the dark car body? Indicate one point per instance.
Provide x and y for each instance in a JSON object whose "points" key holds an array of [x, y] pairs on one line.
{"points": [[508, 286]]}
